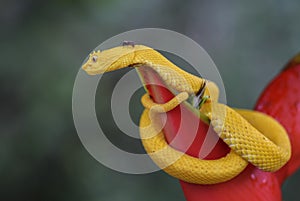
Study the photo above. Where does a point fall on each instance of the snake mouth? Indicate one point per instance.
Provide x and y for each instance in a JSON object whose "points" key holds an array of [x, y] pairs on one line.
{"points": [[91, 68]]}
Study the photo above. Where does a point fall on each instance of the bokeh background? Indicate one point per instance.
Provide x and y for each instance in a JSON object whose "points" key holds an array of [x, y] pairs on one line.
{"points": [[43, 44]]}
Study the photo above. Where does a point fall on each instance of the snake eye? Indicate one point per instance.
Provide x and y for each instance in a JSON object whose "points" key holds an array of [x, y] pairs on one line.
{"points": [[94, 58]]}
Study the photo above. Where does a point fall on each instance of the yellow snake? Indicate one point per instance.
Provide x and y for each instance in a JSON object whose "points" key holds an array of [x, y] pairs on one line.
{"points": [[252, 136]]}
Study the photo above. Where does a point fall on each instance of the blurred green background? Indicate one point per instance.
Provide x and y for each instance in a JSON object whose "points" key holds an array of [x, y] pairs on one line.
{"points": [[43, 44]]}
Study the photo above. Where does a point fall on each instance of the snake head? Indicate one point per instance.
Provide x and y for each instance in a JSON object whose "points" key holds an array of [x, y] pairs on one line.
{"points": [[91, 66], [100, 62], [112, 59]]}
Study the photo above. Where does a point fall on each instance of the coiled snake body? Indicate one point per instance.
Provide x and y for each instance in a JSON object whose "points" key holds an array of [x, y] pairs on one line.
{"points": [[252, 136]]}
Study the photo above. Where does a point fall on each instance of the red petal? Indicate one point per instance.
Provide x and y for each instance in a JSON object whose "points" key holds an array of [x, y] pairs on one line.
{"points": [[281, 100]]}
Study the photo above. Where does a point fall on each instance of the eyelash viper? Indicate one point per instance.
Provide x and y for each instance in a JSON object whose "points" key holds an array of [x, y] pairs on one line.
{"points": [[252, 136]]}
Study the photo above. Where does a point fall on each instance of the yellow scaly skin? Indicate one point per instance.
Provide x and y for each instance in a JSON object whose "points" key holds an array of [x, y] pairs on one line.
{"points": [[252, 136]]}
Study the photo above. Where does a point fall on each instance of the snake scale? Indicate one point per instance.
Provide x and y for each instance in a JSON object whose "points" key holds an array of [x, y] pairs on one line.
{"points": [[252, 136]]}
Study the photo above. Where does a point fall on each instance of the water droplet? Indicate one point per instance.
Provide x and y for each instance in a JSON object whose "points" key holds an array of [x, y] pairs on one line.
{"points": [[263, 105], [253, 177], [264, 180], [260, 106]]}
